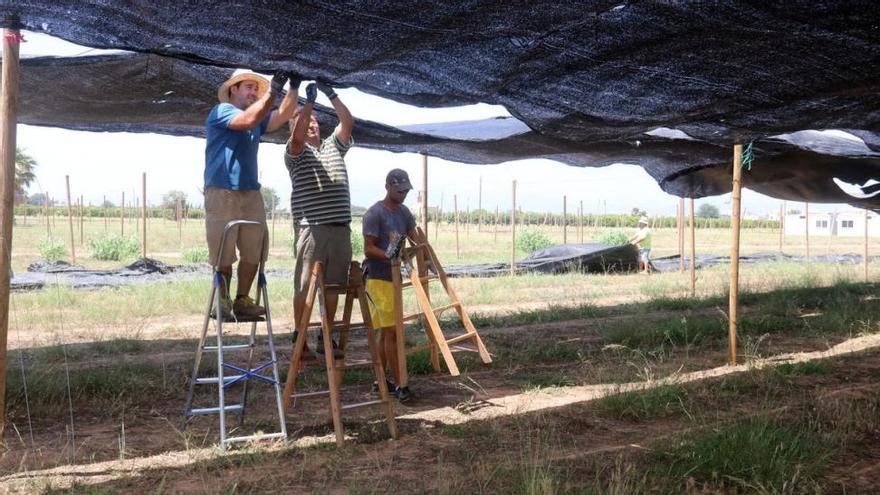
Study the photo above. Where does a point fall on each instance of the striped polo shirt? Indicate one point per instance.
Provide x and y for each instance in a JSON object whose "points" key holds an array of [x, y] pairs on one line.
{"points": [[320, 194]]}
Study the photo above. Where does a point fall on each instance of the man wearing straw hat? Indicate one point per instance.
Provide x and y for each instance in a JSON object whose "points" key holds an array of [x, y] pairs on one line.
{"points": [[642, 240], [233, 130]]}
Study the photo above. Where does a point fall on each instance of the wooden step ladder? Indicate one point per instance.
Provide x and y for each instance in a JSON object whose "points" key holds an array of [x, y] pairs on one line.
{"points": [[428, 268], [317, 290]]}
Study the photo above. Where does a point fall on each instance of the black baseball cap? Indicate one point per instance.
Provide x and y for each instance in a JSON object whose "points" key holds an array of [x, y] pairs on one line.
{"points": [[399, 179]]}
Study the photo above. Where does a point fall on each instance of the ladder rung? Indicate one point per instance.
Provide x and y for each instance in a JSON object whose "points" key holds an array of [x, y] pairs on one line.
{"points": [[346, 407], [215, 379], [439, 309], [412, 317], [428, 278], [461, 338], [354, 364], [229, 347], [263, 436], [309, 395], [214, 410]]}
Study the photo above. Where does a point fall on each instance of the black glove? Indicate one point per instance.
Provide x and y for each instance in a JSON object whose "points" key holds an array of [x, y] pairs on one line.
{"points": [[311, 93], [278, 81], [327, 90], [395, 247], [295, 79]]}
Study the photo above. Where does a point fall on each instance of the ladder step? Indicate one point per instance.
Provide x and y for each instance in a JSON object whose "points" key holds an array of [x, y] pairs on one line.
{"points": [[461, 338], [309, 395], [347, 407], [227, 347], [429, 278], [214, 410], [440, 309], [215, 379]]}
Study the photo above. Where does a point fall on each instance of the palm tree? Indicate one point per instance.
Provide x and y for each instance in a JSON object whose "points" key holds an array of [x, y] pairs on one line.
{"points": [[24, 173]]}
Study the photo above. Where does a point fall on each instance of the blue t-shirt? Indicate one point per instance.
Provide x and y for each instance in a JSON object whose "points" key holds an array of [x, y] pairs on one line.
{"points": [[231, 156], [387, 226]]}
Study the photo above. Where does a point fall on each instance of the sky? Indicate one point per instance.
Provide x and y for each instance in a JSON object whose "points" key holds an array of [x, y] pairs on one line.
{"points": [[106, 164]]}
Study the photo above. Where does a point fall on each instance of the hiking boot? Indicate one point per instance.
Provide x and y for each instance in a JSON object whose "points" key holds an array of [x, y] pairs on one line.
{"points": [[337, 353], [403, 394], [244, 306], [388, 383], [225, 309], [307, 355]]}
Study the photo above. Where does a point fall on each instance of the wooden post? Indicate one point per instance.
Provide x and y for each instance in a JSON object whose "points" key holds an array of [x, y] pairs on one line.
{"points": [[480, 206], [70, 220], [455, 213], [122, 215], [781, 225], [866, 245], [693, 247], [564, 219], [734, 253], [144, 211], [425, 194], [513, 232], [8, 121], [807, 228]]}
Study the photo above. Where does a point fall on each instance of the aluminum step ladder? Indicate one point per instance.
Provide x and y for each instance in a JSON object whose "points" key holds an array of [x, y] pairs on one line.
{"points": [[241, 374]]}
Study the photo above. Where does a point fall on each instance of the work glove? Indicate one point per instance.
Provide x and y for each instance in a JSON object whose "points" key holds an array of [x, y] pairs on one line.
{"points": [[327, 90], [278, 80], [395, 247], [311, 93], [295, 79]]}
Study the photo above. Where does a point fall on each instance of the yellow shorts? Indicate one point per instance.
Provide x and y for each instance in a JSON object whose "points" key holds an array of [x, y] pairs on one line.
{"points": [[381, 302]]}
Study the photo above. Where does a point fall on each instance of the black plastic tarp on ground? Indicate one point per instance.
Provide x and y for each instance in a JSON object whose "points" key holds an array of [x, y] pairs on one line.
{"points": [[566, 258]]}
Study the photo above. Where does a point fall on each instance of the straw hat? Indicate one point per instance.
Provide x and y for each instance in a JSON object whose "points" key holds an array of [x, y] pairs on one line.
{"points": [[239, 76]]}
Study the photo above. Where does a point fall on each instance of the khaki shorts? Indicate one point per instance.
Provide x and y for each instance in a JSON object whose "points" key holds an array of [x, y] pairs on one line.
{"points": [[225, 205], [329, 244], [381, 302]]}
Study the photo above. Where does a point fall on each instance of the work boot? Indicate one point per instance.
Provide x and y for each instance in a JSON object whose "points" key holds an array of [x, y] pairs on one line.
{"points": [[403, 394], [244, 306], [225, 309], [388, 383], [307, 355]]}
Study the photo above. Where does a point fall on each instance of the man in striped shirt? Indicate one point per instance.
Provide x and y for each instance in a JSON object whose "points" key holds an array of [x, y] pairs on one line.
{"points": [[320, 200]]}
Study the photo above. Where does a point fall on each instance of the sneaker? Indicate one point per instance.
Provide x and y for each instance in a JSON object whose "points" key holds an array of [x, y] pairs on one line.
{"points": [[388, 383], [244, 306], [337, 353], [403, 394], [225, 309]]}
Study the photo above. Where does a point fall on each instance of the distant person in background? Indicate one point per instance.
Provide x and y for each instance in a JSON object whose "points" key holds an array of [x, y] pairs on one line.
{"points": [[642, 240], [387, 224], [320, 200], [233, 130]]}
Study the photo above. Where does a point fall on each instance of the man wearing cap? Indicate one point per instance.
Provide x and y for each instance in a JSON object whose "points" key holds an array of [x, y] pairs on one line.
{"points": [[386, 224], [642, 240], [320, 199], [232, 192]]}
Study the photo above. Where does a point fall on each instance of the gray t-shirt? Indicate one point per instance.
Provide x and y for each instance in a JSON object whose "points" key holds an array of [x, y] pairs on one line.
{"points": [[387, 226]]}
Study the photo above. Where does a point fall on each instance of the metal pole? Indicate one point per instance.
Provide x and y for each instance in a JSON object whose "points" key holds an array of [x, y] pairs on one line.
{"points": [[513, 232], [8, 120], [70, 219], [734, 253], [425, 194]]}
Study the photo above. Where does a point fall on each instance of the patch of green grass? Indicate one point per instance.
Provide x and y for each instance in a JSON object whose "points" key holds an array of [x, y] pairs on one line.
{"points": [[196, 254], [52, 249], [675, 331], [115, 248], [532, 317], [542, 379], [758, 455], [647, 404], [419, 363], [805, 368]]}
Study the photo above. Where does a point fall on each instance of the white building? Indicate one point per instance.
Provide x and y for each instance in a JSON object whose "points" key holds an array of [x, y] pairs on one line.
{"points": [[841, 223]]}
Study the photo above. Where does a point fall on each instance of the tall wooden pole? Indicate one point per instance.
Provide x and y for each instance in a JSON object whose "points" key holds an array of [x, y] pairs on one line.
{"points": [[513, 232], [734, 253], [144, 212], [866, 245], [122, 215], [8, 122], [425, 194], [807, 228], [692, 225], [564, 219], [70, 219], [455, 213]]}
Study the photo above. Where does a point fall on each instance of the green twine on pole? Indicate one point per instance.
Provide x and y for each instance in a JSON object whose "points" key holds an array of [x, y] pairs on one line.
{"points": [[747, 156]]}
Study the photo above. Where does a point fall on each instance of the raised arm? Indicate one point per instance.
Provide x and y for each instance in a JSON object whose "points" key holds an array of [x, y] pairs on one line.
{"points": [[288, 104], [303, 120], [346, 121], [253, 115]]}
